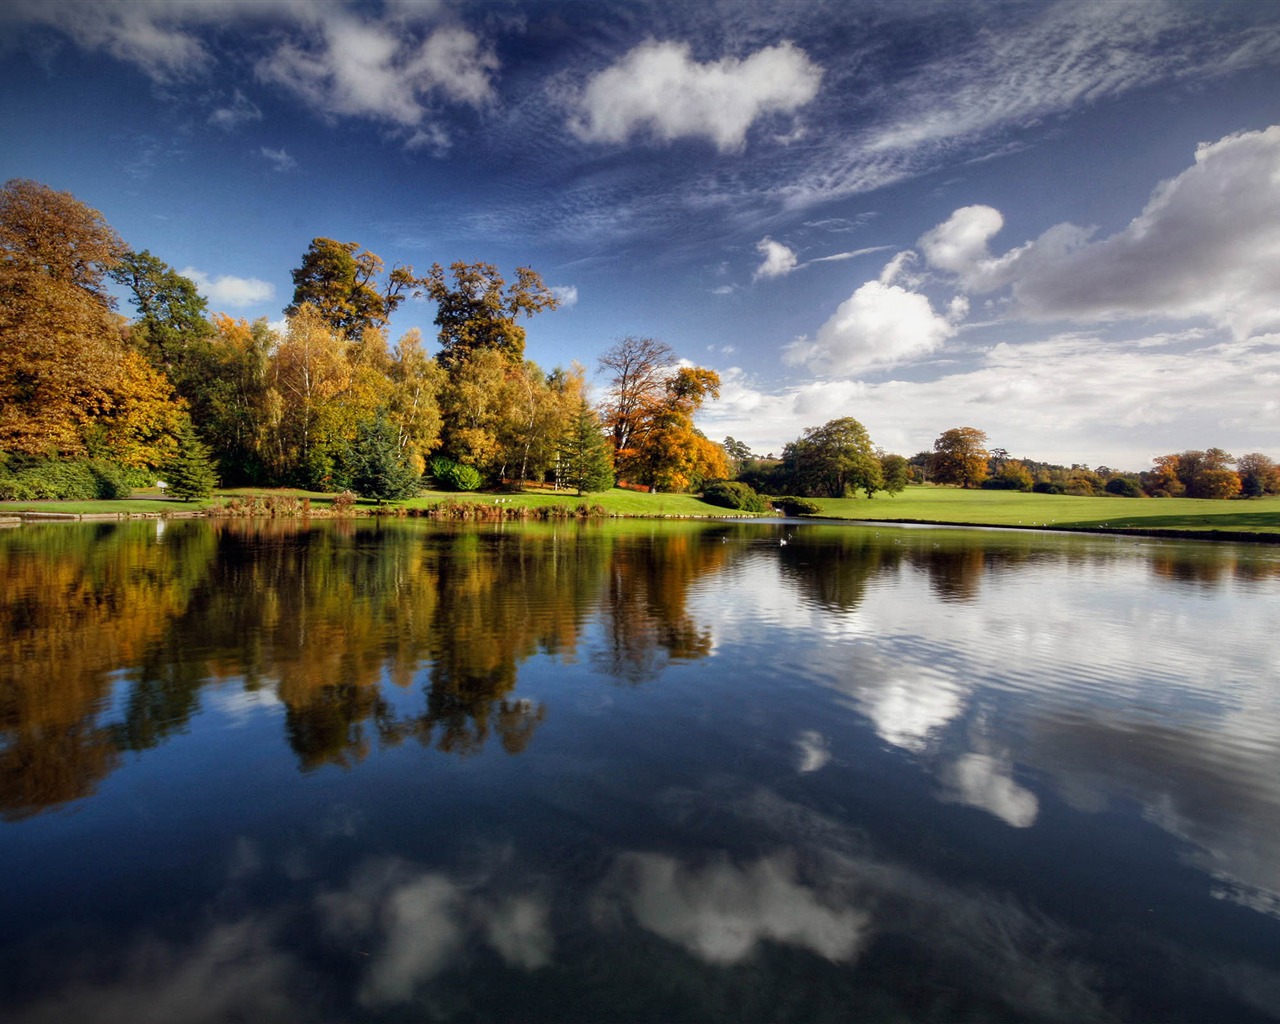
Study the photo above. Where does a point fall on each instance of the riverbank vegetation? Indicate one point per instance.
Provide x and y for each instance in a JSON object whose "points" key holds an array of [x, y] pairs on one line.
{"points": [[326, 416]]}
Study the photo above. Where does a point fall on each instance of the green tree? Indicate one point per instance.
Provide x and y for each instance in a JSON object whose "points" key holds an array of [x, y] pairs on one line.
{"points": [[190, 473], [172, 314], [833, 460], [342, 283], [960, 457], [379, 467], [586, 462], [475, 312], [894, 473], [738, 454]]}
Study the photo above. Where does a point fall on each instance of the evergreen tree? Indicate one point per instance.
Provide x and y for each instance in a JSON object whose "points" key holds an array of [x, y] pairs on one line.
{"points": [[585, 460], [379, 468], [191, 472]]}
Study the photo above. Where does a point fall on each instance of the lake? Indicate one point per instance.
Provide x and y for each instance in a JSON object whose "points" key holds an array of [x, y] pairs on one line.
{"points": [[635, 771]]}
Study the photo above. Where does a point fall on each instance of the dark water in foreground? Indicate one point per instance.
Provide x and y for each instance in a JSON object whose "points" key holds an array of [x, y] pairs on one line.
{"points": [[635, 772]]}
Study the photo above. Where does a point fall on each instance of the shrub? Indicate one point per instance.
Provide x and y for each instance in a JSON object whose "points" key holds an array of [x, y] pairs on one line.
{"points": [[454, 476], [31, 479], [1047, 487], [734, 494], [1124, 488], [793, 506], [343, 503]]}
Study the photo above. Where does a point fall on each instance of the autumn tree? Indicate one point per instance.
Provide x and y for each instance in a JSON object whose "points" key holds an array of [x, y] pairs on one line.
{"points": [[479, 310], [1259, 475], [960, 457], [638, 370], [68, 387], [414, 401], [342, 282], [833, 460], [665, 450]]}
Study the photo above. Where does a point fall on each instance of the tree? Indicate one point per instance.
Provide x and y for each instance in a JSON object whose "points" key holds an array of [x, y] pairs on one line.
{"points": [[739, 454], [341, 282], [833, 460], [960, 457], [171, 312], [585, 462], [665, 450], [68, 387], [476, 313], [894, 472], [1259, 475], [190, 473], [379, 468], [56, 237], [639, 369]]}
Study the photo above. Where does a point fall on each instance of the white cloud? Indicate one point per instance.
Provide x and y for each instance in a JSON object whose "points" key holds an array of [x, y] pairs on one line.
{"points": [[567, 294], [1065, 398], [722, 912], [660, 88], [779, 260], [227, 290], [979, 780], [880, 324], [1204, 246], [281, 162], [356, 67]]}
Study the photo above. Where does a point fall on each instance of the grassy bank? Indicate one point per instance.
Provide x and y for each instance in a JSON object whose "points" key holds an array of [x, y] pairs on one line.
{"points": [[1259, 516], [1060, 511]]}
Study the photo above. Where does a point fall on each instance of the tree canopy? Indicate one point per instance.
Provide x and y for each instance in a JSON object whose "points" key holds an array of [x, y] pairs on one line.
{"points": [[960, 457], [833, 460]]}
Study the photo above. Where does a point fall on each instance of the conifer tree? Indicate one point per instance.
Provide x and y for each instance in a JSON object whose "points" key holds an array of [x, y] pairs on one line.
{"points": [[585, 460], [191, 473], [380, 469]]}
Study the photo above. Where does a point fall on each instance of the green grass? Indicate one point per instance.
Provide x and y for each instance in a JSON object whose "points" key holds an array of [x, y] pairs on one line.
{"points": [[917, 504], [615, 502], [1060, 511]]}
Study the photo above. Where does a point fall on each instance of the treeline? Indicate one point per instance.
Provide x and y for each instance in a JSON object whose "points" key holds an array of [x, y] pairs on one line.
{"points": [[92, 403], [839, 459]]}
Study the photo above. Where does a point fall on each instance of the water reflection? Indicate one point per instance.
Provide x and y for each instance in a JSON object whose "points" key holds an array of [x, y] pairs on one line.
{"points": [[924, 774]]}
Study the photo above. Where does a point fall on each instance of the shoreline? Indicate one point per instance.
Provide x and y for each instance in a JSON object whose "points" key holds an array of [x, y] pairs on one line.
{"points": [[21, 517]]}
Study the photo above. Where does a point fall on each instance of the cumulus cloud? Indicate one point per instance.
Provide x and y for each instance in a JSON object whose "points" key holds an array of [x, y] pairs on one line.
{"points": [[420, 921], [779, 260], [722, 912], [981, 781], [880, 324], [227, 290], [360, 68], [658, 87], [1203, 247], [567, 294]]}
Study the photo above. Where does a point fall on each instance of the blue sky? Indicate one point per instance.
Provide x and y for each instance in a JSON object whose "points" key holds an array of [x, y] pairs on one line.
{"points": [[1059, 223]]}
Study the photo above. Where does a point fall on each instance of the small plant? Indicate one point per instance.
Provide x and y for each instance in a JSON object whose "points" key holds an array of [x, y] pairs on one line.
{"points": [[343, 504]]}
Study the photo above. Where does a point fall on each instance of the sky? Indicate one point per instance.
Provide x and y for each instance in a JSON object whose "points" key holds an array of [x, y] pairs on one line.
{"points": [[1056, 222]]}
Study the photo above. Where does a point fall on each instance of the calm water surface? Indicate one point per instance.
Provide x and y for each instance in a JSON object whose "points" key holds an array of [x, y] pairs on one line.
{"points": [[327, 772]]}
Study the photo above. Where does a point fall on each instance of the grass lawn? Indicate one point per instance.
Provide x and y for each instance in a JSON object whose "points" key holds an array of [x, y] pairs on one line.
{"points": [[1014, 508], [916, 504]]}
